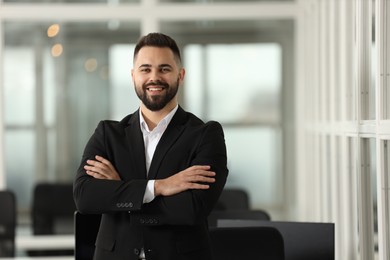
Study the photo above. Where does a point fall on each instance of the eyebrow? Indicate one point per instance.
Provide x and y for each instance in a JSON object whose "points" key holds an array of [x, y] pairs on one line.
{"points": [[149, 65]]}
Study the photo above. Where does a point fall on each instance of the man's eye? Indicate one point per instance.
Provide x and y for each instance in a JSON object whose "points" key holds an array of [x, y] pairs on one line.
{"points": [[166, 69], [145, 70]]}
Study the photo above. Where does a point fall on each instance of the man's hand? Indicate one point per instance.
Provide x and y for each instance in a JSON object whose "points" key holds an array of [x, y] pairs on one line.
{"points": [[101, 168], [195, 177]]}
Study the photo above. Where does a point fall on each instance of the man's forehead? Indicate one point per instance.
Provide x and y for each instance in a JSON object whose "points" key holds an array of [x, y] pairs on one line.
{"points": [[155, 53]]}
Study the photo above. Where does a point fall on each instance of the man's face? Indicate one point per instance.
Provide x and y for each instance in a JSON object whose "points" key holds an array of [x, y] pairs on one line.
{"points": [[156, 77]]}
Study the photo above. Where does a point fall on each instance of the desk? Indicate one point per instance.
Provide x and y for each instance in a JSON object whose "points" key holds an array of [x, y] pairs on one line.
{"points": [[44, 242]]}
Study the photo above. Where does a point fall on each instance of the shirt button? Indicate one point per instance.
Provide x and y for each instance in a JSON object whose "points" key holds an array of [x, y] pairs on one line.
{"points": [[136, 251]]}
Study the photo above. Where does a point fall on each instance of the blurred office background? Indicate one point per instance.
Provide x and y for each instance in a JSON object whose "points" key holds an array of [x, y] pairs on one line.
{"points": [[301, 88]]}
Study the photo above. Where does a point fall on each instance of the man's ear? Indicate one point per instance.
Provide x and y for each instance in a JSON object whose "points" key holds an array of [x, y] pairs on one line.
{"points": [[182, 73]]}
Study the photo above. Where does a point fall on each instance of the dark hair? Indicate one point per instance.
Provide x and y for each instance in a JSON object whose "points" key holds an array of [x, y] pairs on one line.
{"points": [[158, 40]]}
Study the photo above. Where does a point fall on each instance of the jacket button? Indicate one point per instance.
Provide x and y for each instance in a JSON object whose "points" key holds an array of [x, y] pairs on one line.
{"points": [[136, 251]]}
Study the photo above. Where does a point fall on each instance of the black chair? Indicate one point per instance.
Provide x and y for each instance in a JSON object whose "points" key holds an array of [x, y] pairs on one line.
{"points": [[86, 229], [7, 223], [216, 215], [233, 199], [265, 243], [52, 213], [302, 240]]}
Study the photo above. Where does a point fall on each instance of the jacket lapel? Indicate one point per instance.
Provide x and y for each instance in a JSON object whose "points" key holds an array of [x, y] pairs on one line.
{"points": [[173, 131], [136, 146]]}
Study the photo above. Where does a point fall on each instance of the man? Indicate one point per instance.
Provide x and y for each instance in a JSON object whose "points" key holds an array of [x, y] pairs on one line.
{"points": [[156, 175]]}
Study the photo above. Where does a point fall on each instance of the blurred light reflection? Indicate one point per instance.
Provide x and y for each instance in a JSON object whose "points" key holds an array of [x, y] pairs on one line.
{"points": [[57, 50], [53, 30]]}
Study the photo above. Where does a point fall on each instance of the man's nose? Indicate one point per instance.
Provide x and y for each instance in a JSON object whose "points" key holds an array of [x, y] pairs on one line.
{"points": [[155, 76]]}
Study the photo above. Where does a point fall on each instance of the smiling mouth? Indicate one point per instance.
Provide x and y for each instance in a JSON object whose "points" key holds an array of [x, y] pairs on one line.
{"points": [[152, 89], [155, 88]]}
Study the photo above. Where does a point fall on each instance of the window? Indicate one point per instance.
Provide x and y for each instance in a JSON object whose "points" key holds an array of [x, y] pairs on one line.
{"points": [[57, 86], [239, 85]]}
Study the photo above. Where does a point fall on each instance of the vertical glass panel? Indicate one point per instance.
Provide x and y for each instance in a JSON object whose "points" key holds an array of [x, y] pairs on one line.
{"points": [[256, 170], [386, 190], [257, 95], [374, 190], [386, 63], [19, 85], [368, 214], [20, 164], [123, 98], [352, 250], [373, 69], [367, 59]]}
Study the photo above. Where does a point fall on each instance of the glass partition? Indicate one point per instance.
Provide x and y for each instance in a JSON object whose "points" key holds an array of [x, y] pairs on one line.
{"points": [[234, 75], [58, 84], [367, 190]]}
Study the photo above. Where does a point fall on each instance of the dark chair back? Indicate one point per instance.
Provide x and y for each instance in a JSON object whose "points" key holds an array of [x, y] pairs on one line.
{"points": [[7, 223], [216, 215], [265, 243], [302, 240], [86, 229], [233, 199], [52, 213]]}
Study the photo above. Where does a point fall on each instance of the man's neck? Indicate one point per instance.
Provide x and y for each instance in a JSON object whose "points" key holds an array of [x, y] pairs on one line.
{"points": [[152, 118]]}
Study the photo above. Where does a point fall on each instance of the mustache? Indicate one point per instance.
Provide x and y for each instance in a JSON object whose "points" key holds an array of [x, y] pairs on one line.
{"points": [[156, 83]]}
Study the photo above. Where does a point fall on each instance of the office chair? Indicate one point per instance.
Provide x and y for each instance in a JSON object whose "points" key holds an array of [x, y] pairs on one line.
{"points": [[217, 215], [86, 229], [7, 223], [302, 240], [236, 243], [52, 213], [232, 199]]}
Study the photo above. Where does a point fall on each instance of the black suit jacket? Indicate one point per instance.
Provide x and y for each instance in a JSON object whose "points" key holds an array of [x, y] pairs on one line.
{"points": [[168, 228]]}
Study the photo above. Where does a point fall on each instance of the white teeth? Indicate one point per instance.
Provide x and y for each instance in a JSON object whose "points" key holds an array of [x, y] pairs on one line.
{"points": [[155, 89]]}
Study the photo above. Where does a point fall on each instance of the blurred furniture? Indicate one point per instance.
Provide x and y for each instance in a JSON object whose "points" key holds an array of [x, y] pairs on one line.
{"points": [[227, 243], [235, 204], [44, 242], [232, 199], [39, 258], [302, 240], [86, 229], [216, 215], [52, 213], [236, 243], [7, 223]]}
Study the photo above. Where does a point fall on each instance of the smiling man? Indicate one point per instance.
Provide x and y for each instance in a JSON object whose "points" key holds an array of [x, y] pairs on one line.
{"points": [[156, 174]]}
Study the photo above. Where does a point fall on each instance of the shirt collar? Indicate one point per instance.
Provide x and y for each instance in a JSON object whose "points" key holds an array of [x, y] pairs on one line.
{"points": [[164, 122]]}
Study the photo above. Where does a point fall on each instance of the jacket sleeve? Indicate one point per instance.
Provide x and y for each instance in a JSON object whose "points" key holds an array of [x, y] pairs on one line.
{"points": [[95, 196]]}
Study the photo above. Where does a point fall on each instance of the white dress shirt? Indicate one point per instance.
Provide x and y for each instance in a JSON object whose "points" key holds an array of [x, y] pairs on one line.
{"points": [[151, 139]]}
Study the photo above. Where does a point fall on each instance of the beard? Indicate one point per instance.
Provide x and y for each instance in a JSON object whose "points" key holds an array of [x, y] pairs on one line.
{"points": [[157, 102]]}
